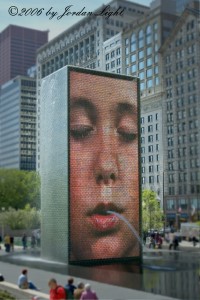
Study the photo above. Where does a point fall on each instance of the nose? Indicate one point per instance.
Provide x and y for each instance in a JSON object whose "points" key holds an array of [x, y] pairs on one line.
{"points": [[106, 165]]}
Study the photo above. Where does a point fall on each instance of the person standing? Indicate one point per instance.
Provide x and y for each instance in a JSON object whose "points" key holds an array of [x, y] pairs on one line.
{"points": [[70, 287], [7, 242], [12, 243], [24, 241], [33, 241], [56, 292], [78, 292], [88, 294]]}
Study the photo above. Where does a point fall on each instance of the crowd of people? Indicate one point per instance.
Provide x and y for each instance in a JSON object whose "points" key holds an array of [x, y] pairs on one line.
{"points": [[58, 292], [9, 242], [155, 241], [70, 291]]}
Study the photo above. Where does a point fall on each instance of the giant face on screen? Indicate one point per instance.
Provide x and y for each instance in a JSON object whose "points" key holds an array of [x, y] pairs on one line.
{"points": [[104, 167]]}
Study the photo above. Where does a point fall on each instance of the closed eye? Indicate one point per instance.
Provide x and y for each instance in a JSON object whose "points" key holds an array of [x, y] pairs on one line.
{"points": [[126, 136], [81, 132]]}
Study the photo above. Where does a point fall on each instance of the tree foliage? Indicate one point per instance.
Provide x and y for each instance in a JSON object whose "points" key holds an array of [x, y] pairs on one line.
{"points": [[28, 218], [18, 188], [152, 215]]}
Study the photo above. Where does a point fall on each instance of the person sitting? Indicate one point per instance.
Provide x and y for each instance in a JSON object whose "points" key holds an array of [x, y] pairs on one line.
{"points": [[88, 294], [78, 292], [56, 292], [70, 288], [23, 282]]}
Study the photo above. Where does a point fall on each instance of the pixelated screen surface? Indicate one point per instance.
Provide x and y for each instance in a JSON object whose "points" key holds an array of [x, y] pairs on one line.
{"points": [[104, 166]]}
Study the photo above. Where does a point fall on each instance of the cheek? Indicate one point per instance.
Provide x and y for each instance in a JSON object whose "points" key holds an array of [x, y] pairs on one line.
{"points": [[81, 166]]}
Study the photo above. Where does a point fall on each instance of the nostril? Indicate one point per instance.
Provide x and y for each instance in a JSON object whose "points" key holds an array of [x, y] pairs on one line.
{"points": [[99, 178], [112, 176]]}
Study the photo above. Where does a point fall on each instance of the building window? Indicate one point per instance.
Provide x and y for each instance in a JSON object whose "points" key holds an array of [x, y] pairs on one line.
{"points": [[141, 75], [149, 62], [170, 142], [127, 50], [151, 179], [171, 204], [107, 56], [148, 34], [133, 42], [150, 158], [133, 68], [149, 83], [118, 51], [150, 148], [150, 118], [141, 54], [150, 138], [141, 65], [149, 73], [118, 61], [150, 128], [142, 86], [143, 180], [112, 54], [141, 38], [133, 58], [149, 51]]}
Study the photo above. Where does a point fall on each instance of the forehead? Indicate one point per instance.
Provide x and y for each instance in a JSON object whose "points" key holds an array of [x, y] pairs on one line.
{"points": [[102, 89]]}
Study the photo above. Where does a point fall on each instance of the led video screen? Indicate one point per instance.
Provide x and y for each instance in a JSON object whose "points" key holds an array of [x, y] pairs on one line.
{"points": [[104, 189]]}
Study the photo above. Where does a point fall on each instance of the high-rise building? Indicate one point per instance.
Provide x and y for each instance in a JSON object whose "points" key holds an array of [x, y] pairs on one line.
{"points": [[18, 47], [140, 57], [81, 44], [181, 119], [112, 54], [18, 124]]}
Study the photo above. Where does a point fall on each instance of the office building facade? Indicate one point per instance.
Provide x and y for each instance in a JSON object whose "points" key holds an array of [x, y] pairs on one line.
{"points": [[18, 124], [18, 47], [140, 57], [181, 104], [112, 54]]}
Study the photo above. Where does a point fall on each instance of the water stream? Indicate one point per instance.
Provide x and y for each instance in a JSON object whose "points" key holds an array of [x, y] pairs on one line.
{"points": [[131, 227]]}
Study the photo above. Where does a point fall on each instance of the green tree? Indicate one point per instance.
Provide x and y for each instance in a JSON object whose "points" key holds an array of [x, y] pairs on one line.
{"points": [[152, 215], [18, 188], [28, 218]]}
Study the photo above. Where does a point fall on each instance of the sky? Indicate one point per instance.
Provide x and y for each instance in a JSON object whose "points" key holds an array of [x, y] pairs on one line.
{"points": [[10, 11]]}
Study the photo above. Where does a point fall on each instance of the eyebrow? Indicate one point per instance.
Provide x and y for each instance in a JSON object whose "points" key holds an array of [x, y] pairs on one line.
{"points": [[87, 105], [126, 108]]}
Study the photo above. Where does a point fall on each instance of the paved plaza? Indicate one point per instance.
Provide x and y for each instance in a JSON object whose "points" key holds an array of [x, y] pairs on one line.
{"points": [[11, 269]]}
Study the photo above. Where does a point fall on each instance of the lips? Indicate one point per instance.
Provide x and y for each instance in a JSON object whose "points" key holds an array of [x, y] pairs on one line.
{"points": [[102, 221]]}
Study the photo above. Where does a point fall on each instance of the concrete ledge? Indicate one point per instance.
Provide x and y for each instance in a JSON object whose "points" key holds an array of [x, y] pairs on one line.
{"points": [[20, 293]]}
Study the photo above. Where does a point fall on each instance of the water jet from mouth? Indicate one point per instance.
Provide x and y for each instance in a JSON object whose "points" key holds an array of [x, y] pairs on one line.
{"points": [[131, 227]]}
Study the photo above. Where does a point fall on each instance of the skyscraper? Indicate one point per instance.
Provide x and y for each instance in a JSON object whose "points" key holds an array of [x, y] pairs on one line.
{"points": [[18, 47], [18, 124], [181, 119]]}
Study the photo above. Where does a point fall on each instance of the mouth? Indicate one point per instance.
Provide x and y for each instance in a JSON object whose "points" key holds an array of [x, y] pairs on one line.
{"points": [[102, 221]]}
